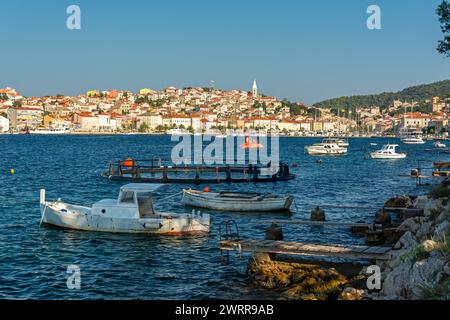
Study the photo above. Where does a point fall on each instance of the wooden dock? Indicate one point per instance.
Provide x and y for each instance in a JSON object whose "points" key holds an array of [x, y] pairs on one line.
{"points": [[307, 249], [153, 171]]}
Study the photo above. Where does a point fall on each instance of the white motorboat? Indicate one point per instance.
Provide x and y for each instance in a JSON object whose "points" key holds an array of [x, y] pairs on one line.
{"points": [[132, 212], [234, 201], [440, 145], [325, 148], [411, 136], [413, 140], [388, 151]]}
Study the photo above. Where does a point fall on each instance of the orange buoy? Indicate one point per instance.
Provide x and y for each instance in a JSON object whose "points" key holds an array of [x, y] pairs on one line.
{"points": [[250, 144], [129, 163], [206, 189]]}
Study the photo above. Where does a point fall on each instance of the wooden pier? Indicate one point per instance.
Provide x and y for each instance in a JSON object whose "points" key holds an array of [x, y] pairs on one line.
{"points": [[154, 171], [307, 249]]}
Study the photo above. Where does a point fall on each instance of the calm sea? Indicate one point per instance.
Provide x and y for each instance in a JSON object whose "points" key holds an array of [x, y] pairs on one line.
{"points": [[34, 259]]}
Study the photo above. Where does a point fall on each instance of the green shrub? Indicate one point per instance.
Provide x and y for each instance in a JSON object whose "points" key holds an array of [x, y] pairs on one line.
{"points": [[416, 254]]}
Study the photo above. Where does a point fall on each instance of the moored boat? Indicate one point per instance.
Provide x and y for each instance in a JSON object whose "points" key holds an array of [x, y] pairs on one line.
{"points": [[237, 201], [132, 212], [388, 151], [440, 145], [325, 148]]}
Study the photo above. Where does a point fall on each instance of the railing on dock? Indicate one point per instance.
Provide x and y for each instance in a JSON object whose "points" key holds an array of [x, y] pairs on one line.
{"points": [[158, 170]]}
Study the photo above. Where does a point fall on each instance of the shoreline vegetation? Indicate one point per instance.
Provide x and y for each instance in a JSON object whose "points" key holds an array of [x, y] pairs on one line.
{"points": [[418, 270]]}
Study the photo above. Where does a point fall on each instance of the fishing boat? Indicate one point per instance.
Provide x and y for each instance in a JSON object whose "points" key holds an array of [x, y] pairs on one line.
{"points": [[325, 148], [440, 145], [388, 151], [132, 212], [237, 201]]}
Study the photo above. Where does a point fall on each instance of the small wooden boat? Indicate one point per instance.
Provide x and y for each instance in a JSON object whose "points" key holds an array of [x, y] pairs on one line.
{"points": [[132, 212], [234, 201]]}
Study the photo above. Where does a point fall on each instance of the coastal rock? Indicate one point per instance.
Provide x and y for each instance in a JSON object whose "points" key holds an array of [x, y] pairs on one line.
{"points": [[396, 281], [444, 216], [433, 208], [411, 225], [442, 229], [408, 240], [446, 269], [425, 274], [424, 231], [352, 294], [399, 202], [382, 217], [420, 202]]}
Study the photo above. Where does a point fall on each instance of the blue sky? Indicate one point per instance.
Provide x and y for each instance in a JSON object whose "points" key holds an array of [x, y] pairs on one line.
{"points": [[302, 50]]}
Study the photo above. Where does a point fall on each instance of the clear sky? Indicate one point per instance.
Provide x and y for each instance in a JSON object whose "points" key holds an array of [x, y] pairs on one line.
{"points": [[302, 50]]}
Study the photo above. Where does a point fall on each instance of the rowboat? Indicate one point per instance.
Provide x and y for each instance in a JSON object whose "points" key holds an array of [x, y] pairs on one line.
{"points": [[234, 201], [132, 212]]}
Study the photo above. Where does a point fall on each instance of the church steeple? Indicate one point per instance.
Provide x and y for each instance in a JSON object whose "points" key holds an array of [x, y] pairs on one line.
{"points": [[255, 89]]}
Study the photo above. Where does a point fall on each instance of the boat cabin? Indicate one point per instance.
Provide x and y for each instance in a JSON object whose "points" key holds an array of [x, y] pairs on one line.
{"points": [[134, 201], [388, 149]]}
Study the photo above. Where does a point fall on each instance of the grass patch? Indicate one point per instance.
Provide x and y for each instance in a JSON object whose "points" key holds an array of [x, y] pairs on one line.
{"points": [[438, 292], [417, 254]]}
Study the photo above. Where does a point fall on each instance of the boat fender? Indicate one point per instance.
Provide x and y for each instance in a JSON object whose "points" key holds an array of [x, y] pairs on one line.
{"points": [[153, 225]]}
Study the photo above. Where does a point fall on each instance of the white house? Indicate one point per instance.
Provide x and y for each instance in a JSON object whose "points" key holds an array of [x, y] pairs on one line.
{"points": [[4, 124]]}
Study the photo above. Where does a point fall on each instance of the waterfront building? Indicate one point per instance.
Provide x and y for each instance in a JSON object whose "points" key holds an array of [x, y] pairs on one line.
{"points": [[4, 124], [151, 120], [22, 118]]}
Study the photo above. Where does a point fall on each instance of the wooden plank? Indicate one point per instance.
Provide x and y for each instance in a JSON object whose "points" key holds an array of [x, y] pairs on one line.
{"points": [[318, 223], [297, 248]]}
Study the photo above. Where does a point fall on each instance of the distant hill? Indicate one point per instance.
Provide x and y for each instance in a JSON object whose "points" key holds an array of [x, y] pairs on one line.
{"points": [[385, 99]]}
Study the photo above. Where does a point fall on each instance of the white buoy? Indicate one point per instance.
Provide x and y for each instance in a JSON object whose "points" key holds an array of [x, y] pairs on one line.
{"points": [[42, 196]]}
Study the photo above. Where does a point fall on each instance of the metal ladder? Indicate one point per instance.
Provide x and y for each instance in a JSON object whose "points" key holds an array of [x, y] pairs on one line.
{"points": [[228, 231]]}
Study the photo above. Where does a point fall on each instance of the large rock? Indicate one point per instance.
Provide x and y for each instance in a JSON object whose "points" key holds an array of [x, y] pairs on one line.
{"points": [[411, 225], [420, 202], [352, 294], [442, 229], [408, 241], [433, 208], [396, 281], [424, 231], [399, 202], [425, 274]]}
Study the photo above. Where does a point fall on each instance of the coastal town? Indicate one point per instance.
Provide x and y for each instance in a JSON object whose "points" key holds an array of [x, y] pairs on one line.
{"points": [[207, 110]]}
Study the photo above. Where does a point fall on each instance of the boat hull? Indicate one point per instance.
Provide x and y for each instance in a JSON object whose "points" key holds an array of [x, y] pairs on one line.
{"points": [[209, 201], [388, 157], [318, 152], [79, 218]]}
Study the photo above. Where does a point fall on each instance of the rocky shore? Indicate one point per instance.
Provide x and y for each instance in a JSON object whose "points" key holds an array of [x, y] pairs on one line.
{"points": [[419, 268]]}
